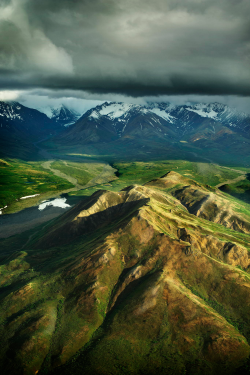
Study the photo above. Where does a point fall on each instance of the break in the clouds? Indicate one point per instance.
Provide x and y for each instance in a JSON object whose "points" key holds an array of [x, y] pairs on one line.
{"points": [[130, 47]]}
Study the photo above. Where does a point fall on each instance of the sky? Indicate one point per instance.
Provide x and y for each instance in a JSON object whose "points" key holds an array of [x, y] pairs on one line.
{"points": [[87, 51]]}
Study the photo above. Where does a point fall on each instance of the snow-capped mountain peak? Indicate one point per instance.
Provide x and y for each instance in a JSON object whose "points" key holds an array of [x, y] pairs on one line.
{"points": [[111, 110], [181, 118], [121, 111], [10, 110], [61, 114], [115, 110], [50, 111]]}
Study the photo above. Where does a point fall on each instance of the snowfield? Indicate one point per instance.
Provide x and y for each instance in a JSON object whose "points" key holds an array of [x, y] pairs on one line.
{"points": [[166, 116], [116, 110], [212, 114], [58, 202]]}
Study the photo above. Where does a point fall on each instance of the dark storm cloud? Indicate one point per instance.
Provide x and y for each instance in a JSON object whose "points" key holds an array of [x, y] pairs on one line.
{"points": [[131, 47]]}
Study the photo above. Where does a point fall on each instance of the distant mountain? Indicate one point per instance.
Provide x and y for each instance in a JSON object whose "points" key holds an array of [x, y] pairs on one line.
{"points": [[61, 114], [21, 126], [159, 130], [163, 130], [187, 117], [111, 121]]}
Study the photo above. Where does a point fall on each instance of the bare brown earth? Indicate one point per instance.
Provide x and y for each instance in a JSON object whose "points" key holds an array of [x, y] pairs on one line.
{"points": [[147, 280]]}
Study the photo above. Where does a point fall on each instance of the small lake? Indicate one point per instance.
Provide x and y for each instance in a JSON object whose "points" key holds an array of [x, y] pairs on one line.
{"points": [[31, 217]]}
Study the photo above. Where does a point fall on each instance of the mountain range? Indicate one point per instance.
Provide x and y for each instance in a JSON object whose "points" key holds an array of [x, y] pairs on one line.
{"points": [[179, 119], [212, 131]]}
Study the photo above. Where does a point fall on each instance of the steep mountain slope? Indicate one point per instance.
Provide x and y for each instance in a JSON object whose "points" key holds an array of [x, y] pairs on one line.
{"points": [[209, 126], [20, 126], [180, 119], [139, 281], [189, 116], [24, 120], [111, 121]]}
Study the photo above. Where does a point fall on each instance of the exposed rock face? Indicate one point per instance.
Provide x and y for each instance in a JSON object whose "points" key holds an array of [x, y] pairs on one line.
{"points": [[133, 281]]}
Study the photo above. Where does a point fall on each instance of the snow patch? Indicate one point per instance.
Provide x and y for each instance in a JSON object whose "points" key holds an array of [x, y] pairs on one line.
{"points": [[94, 114], [166, 116], [211, 114], [9, 110], [124, 128], [1, 209], [58, 202], [30, 196], [115, 110], [69, 124]]}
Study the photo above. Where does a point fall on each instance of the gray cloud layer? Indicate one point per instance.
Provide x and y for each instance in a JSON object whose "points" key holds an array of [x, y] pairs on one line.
{"points": [[131, 47]]}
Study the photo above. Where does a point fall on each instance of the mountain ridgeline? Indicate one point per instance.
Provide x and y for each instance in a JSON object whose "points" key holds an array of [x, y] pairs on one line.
{"points": [[163, 119], [161, 129], [151, 279], [155, 130], [21, 126]]}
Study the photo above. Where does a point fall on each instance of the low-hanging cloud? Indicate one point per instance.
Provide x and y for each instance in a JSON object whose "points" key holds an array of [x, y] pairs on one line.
{"points": [[128, 47]]}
